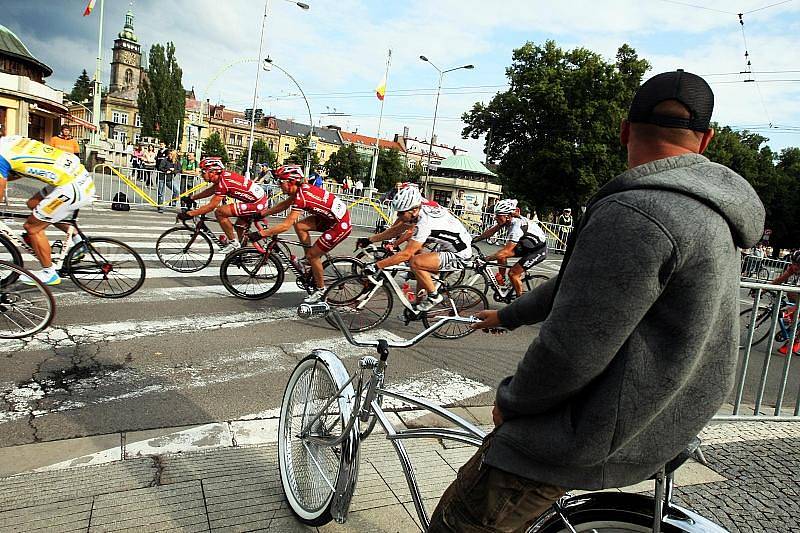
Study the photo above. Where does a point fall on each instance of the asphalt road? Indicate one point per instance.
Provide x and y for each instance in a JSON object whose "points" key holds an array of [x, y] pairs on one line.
{"points": [[182, 351]]}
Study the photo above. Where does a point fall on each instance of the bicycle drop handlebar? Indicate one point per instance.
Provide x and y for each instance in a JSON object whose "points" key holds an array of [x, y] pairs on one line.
{"points": [[322, 309]]}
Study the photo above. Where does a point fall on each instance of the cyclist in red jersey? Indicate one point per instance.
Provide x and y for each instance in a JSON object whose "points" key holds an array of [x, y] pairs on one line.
{"points": [[250, 195], [328, 215]]}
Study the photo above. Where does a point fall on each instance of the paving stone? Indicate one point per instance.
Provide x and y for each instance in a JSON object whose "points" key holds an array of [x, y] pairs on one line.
{"points": [[28, 457], [390, 519], [72, 515]]}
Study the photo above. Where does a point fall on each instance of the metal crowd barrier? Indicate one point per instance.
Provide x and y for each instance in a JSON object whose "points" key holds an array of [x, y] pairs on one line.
{"points": [[767, 382], [141, 186], [762, 268]]}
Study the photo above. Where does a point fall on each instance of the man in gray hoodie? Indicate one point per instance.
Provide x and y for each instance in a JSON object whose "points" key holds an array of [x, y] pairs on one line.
{"points": [[639, 336]]}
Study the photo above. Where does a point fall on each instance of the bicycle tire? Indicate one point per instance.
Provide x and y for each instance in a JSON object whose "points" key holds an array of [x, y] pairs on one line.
{"points": [[460, 300], [336, 268], [11, 254], [24, 309], [762, 327], [453, 277], [307, 469], [347, 294], [104, 267], [477, 280], [248, 268], [763, 274], [181, 250], [534, 280]]}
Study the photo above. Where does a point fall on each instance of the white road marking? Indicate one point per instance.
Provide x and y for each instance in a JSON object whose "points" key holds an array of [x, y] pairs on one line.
{"points": [[73, 298], [439, 386]]}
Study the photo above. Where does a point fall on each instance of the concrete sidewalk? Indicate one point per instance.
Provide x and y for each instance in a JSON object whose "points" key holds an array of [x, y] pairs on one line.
{"points": [[224, 477]]}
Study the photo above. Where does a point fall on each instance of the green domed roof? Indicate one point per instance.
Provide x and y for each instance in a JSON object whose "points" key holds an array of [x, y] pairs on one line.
{"points": [[465, 163], [10, 45], [127, 31]]}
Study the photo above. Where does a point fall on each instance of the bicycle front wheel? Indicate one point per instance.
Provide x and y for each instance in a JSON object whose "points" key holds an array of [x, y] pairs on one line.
{"points": [[761, 328], [460, 300], [24, 309], [10, 254], [361, 304], [337, 268], [183, 250], [104, 267], [313, 407], [251, 275]]}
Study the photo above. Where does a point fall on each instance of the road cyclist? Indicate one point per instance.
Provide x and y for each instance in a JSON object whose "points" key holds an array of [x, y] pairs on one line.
{"points": [[249, 195], [68, 188], [526, 240], [790, 311], [328, 214]]}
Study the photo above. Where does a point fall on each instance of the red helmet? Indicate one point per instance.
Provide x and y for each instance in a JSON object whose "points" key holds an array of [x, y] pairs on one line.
{"points": [[211, 164], [291, 173]]}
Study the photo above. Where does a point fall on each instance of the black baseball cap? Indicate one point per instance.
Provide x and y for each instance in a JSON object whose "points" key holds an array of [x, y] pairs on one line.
{"points": [[689, 89]]}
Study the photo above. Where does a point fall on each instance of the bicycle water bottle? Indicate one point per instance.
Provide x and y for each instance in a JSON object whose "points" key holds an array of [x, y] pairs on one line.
{"points": [[223, 239], [56, 247], [409, 292]]}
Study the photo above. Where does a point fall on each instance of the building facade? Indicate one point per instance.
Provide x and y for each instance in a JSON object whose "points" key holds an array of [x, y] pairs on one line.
{"points": [[326, 141], [232, 126], [365, 146], [28, 107], [416, 151], [463, 184]]}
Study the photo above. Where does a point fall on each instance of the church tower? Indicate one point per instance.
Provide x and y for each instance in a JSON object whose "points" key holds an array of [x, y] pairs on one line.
{"points": [[126, 69]]}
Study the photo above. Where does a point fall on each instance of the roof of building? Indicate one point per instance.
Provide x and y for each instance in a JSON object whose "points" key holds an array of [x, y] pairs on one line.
{"points": [[296, 129], [365, 140], [11, 45], [465, 163]]}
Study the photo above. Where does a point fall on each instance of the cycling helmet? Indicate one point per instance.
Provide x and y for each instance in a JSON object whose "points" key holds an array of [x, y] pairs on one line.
{"points": [[212, 164], [406, 199], [291, 173], [795, 257], [505, 207]]}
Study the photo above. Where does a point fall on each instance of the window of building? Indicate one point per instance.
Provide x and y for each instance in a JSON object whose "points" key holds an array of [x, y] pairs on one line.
{"points": [[137, 137], [138, 121], [128, 78], [322, 154], [286, 147], [118, 117], [36, 127], [120, 136], [442, 197], [271, 146]]}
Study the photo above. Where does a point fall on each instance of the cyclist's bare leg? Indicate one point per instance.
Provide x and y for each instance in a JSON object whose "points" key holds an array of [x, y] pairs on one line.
{"points": [[41, 247], [515, 275], [223, 214], [303, 227], [36, 200], [502, 270], [422, 265], [314, 258]]}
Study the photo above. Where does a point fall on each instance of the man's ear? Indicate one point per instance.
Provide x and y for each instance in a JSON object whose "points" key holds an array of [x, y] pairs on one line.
{"points": [[624, 132], [707, 136]]}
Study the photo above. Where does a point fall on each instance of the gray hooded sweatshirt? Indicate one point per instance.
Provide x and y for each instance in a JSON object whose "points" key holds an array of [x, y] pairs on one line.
{"points": [[639, 342]]}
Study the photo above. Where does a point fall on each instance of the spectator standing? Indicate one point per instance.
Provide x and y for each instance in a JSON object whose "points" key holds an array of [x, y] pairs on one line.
{"points": [[565, 222], [358, 187], [605, 396], [137, 161], [65, 142], [168, 169], [162, 154], [317, 179], [347, 185], [188, 172], [149, 164]]}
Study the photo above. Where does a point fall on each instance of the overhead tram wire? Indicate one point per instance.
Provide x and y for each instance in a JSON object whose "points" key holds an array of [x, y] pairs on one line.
{"points": [[749, 71], [766, 7]]}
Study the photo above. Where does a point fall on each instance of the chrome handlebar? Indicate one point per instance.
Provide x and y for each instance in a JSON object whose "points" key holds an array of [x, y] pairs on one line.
{"points": [[322, 309]]}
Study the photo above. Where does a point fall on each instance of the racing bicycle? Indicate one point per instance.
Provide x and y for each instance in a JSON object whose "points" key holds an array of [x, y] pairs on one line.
{"points": [[258, 272], [103, 267], [378, 251], [326, 414], [367, 302], [25, 309], [770, 316], [483, 277]]}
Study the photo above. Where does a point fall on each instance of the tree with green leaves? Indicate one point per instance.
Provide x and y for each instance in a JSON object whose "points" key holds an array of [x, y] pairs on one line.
{"points": [[261, 155], [555, 131], [391, 169], [298, 154], [82, 88], [214, 147], [162, 99], [414, 173], [346, 161]]}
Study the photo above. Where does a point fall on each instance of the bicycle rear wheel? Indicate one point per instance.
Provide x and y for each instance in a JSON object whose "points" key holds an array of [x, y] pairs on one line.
{"points": [[761, 329], [181, 250], [460, 300], [534, 280], [24, 309], [251, 275], [105, 267], [309, 471], [11, 254], [361, 304]]}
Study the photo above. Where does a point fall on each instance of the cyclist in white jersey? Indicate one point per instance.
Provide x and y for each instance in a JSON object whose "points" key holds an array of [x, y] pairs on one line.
{"points": [[526, 240], [432, 224]]}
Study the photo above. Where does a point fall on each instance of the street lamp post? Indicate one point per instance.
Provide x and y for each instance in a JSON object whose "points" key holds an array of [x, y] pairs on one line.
{"points": [[436, 110], [270, 63], [301, 5]]}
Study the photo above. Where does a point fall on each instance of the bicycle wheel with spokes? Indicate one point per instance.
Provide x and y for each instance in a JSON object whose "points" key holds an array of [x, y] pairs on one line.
{"points": [[105, 267], [460, 300], [761, 329], [313, 407], [534, 280], [361, 304], [250, 274], [25, 309], [183, 250], [337, 268], [10, 254]]}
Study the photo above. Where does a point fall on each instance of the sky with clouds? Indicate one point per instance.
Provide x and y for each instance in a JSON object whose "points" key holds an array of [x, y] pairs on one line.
{"points": [[337, 52]]}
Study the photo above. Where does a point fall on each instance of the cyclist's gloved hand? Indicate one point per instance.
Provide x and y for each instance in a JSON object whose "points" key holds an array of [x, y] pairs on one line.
{"points": [[184, 215], [188, 202], [362, 242], [255, 236], [370, 269], [389, 246]]}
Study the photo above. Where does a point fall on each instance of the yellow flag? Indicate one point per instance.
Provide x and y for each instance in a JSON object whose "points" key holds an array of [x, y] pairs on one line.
{"points": [[89, 7], [380, 90]]}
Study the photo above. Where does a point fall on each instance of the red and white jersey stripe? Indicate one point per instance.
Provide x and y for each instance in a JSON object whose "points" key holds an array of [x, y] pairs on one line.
{"points": [[238, 187], [320, 202]]}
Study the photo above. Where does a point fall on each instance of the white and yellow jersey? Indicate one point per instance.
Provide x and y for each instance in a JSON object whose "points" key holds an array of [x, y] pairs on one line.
{"points": [[33, 159]]}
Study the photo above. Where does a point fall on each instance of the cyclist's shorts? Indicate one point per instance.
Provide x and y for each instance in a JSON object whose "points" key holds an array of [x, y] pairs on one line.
{"points": [[251, 208], [335, 233], [450, 261], [60, 202], [529, 254]]}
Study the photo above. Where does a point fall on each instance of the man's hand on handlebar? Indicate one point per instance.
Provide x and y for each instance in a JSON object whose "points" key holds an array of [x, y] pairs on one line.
{"points": [[184, 215], [371, 269], [362, 242], [188, 202], [489, 322]]}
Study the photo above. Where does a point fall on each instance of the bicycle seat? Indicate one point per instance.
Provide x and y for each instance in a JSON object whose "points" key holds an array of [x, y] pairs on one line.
{"points": [[681, 458]]}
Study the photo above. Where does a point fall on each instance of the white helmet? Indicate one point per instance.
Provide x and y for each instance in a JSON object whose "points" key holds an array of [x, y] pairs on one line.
{"points": [[505, 207], [407, 198]]}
